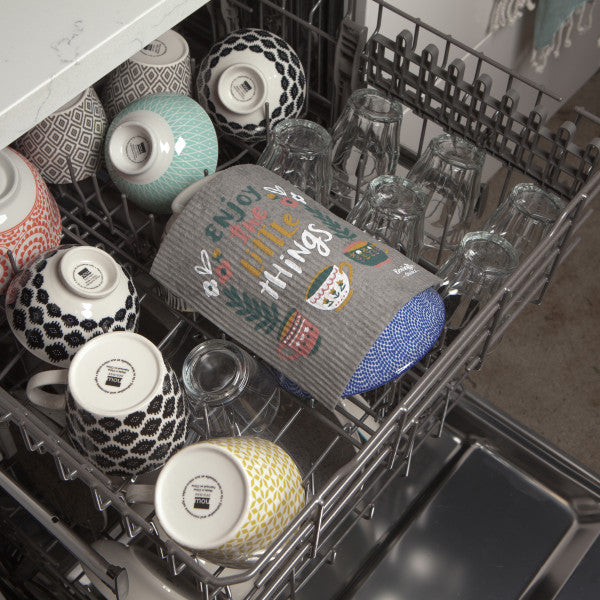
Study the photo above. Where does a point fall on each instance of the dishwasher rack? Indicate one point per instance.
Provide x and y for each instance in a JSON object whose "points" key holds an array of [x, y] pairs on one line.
{"points": [[369, 439]]}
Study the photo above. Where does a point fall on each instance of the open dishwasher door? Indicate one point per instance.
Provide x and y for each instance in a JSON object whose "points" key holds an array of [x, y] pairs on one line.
{"points": [[489, 511]]}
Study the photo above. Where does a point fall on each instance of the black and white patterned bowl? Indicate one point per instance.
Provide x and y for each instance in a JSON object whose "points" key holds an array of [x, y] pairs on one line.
{"points": [[67, 296], [244, 71], [125, 409]]}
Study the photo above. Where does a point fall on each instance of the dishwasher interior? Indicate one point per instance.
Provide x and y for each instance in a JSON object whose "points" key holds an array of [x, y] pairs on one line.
{"points": [[417, 489]]}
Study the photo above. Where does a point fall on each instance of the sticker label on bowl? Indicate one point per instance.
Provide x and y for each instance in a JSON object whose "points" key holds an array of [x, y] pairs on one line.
{"points": [[155, 48], [115, 376], [202, 496], [243, 88], [87, 276], [137, 149]]}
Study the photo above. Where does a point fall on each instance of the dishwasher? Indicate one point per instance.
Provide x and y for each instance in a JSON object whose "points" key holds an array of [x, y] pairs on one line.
{"points": [[416, 490]]}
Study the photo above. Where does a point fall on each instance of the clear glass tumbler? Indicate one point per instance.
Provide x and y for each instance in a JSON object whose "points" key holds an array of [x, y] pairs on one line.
{"points": [[230, 393], [366, 144], [450, 173], [525, 217], [471, 276], [300, 151], [392, 209]]}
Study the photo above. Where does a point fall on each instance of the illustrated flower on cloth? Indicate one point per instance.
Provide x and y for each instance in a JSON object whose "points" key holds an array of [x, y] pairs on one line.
{"points": [[224, 271], [211, 288]]}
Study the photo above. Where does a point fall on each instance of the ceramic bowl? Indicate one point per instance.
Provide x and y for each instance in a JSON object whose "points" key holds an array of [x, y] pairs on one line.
{"points": [[30, 220], [67, 296], [406, 339], [162, 66], [244, 71], [75, 131], [157, 146]]}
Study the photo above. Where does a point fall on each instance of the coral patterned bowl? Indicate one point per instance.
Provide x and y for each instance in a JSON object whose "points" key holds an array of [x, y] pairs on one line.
{"points": [[241, 73], [29, 216]]}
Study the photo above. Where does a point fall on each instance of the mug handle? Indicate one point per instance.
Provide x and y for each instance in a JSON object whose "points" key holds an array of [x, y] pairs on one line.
{"points": [[38, 396], [346, 264]]}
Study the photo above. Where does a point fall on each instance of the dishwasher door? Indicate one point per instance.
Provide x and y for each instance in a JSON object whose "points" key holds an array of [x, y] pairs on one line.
{"points": [[490, 511]]}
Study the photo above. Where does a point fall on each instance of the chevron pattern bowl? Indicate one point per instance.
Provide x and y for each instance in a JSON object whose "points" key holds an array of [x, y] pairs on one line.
{"points": [[228, 498]]}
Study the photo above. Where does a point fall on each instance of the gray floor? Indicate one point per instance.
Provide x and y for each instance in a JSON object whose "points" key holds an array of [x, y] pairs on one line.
{"points": [[546, 371]]}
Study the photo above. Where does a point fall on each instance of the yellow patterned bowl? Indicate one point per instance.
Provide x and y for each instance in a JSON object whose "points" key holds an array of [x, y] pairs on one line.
{"points": [[228, 498]]}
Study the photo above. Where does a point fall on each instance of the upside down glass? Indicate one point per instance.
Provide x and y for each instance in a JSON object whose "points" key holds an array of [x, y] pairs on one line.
{"points": [[471, 276], [525, 217], [450, 173], [300, 151], [365, 144], [392, 210], [230, 393]]}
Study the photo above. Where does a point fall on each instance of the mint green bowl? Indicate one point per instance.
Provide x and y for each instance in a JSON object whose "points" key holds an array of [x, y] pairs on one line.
{"points": [[157, 146]]}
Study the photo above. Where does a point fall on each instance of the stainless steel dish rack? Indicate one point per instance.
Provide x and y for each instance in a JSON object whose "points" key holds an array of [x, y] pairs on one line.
{"points": [[370, 439]]}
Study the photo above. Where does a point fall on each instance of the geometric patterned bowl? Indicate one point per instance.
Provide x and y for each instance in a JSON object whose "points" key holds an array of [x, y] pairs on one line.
{"points": [[406, 339], [67, 296], [162, 66], [75, 131], [244, 71], [157, 146], [125, 410]]}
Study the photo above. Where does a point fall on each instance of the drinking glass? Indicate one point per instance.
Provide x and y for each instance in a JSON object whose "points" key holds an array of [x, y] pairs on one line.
{"points": [[365, 144], [450, 173], [525, 217], [300, 151], [392, 210], [230, 393], [471, 276]]}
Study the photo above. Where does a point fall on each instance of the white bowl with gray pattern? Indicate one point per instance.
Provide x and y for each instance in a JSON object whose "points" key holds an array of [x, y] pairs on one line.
{"points": [[74, 132]]}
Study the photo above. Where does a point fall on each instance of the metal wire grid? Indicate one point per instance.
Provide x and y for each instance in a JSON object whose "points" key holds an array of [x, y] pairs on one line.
{"points": [[446, 82], [428, 394], [106, 221], [413, 407], [29, 549]]}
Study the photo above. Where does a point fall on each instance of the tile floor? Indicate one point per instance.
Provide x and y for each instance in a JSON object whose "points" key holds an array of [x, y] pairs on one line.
{"points": [[546, 371]]}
